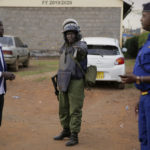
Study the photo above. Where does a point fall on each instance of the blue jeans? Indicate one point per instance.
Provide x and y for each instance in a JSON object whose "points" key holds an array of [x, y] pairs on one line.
{"points": [[144, 122]]}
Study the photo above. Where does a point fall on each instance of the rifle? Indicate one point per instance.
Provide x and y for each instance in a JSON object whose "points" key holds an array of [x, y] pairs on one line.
{"points": [[54, 80]]}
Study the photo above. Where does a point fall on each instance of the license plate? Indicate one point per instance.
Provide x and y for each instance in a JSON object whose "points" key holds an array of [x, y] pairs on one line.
{"points": [[100, 75]]}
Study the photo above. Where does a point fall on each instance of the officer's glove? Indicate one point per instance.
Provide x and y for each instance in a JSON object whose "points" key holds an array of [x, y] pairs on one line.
{"points": [[81, 54]]}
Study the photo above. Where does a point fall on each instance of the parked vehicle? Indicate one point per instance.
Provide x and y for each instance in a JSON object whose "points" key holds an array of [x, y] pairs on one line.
{"points": [[15, 52], [106, 55]]}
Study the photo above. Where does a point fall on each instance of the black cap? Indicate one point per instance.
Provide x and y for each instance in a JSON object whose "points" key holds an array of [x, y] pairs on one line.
{"points": [[146, 7]]}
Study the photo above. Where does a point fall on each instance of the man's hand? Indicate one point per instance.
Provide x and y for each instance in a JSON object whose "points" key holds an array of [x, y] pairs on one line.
{"points": [[8, 75], [128, 78]]}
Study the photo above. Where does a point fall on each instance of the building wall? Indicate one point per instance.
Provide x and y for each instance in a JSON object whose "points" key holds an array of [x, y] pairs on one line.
{"points": [[41, 28]]}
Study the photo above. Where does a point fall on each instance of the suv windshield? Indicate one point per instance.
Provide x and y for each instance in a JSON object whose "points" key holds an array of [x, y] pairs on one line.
{"points": [[102, 50], [6, 41]]}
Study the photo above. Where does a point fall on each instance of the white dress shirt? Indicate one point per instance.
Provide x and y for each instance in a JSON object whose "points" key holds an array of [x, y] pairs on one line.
{"points": [[2, 91]]}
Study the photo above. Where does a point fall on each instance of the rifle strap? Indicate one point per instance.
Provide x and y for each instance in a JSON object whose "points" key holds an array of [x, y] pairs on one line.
{"points": [[77, 64]]}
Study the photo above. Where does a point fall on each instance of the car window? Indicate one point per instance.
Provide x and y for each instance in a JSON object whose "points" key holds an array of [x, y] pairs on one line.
{"points": [[6, 41], [18, 42], [102, 50]]}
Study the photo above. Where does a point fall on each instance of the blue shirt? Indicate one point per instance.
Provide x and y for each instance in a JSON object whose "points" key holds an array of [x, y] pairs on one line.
{"points": [[144, 56]]}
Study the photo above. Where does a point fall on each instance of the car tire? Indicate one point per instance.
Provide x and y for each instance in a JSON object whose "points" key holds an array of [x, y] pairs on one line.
{"points": [[26, 63], [121, 85], [15, 66]]}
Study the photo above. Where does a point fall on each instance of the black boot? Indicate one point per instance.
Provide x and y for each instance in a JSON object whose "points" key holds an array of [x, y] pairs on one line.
{"points": [[73, 139], [63, 134]]}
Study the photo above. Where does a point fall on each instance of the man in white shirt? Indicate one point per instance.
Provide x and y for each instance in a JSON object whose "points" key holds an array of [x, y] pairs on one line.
{"points": [[4, 75]]}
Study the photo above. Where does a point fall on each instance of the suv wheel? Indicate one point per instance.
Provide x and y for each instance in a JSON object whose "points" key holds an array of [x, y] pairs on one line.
{"points": [[15, 66], [26, 63]]}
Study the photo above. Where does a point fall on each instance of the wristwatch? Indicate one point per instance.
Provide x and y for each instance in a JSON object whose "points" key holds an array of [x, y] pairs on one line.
{"points": [[138, 80]]}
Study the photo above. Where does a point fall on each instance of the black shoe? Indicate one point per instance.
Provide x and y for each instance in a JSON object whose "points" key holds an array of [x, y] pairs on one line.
{"points": [[63, 134], [73, 139]]}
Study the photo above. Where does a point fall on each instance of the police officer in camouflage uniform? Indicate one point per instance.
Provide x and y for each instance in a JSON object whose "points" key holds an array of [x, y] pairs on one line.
{"points": [[141, 78], [71, 82]]}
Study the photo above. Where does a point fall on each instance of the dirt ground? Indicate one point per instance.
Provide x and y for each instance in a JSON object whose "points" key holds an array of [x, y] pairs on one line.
{"points": [[30, 118]]}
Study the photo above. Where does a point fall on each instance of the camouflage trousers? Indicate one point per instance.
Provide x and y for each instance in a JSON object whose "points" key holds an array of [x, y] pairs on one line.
{"points": [[70, 105]]}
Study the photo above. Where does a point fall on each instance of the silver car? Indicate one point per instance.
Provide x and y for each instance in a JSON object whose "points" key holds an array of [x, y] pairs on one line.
{"points": [[15, 52]]}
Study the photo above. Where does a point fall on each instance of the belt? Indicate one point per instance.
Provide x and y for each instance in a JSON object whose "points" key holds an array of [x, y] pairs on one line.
{"points": [[145, 92]]}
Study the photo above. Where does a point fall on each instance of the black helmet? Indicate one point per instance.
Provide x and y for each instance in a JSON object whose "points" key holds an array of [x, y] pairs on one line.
{"points": [[71, 27], [69, 20]]}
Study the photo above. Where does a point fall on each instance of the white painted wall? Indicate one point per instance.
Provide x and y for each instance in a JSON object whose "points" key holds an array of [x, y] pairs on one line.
{"points": [[61, 3]]}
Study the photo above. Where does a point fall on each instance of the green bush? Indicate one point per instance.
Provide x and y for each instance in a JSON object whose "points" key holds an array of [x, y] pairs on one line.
{"points": [[142, 39], [133, 44]]}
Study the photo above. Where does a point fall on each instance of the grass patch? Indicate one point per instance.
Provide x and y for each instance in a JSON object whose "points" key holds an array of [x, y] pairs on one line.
{"points": [[129, 69], [40, 71], [39, 67], [40, 79], [44, 63], [129, 86], [43, 66], [129, 65], [130, 62]]}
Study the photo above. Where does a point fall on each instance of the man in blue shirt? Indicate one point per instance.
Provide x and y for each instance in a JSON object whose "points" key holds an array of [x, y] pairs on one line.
{"points": [[141, 78], [4, 75]]}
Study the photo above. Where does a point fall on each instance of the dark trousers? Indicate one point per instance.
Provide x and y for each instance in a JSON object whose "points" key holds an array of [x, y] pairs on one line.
{"points": [[144, 122], [1, 107], [70, 106]]}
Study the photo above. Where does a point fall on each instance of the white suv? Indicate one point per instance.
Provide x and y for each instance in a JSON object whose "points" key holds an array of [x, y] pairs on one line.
{"points": [[106, 55]]}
